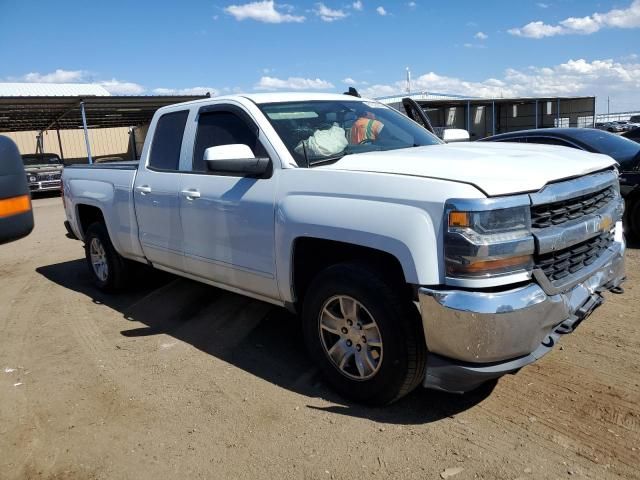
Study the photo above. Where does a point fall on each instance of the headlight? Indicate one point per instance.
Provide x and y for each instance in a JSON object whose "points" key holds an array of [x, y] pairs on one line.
{"points": [[483, 240]]}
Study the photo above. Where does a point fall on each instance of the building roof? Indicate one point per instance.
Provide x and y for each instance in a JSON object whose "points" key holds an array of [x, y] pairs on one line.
{"points": [[51, 90], [447, 99], [421, 96]]}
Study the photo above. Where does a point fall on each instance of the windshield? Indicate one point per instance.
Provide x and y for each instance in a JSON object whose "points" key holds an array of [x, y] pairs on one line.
{"points": [[319, 132], [32, 161], [622, 150]]}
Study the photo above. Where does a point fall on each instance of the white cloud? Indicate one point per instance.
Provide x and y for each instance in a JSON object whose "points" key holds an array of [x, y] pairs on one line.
{"points": [[352, 82], [412, 4], [381, 11], [292, 83], [116, 87], [615, 18], [481, 36], [113, 86], [474, 45], [186, 91], [536, 30], [543, 5], [327, 14], [59, 76], [575, 77], [357, 5], [264, 11]]}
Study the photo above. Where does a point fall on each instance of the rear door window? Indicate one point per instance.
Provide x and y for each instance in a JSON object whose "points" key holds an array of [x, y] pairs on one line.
{"points": [[167, 141]]}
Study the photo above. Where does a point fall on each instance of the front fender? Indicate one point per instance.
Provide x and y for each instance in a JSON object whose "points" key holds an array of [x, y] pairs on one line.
{"points": [[404, 231]]}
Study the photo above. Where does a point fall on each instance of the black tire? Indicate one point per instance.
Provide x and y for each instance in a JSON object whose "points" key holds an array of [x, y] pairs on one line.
{"points": [[403, 353], [117, 267], [633, 217]]}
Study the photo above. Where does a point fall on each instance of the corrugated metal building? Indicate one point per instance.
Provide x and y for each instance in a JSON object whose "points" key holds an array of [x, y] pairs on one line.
{"points": [[483, 117]]}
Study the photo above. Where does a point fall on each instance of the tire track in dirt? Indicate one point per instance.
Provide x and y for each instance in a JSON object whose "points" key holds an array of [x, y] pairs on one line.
{"points": [[18, 330], [572, 428]]}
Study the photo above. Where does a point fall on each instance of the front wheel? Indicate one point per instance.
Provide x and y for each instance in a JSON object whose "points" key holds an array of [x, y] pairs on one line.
{"points": [[364, 333]]}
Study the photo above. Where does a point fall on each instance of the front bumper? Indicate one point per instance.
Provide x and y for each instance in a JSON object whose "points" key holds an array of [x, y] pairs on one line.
{"points": [[45, 185], [477, 336]]}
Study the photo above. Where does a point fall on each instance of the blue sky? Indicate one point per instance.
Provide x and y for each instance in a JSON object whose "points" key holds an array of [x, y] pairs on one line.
{"points": [[554, 47]]}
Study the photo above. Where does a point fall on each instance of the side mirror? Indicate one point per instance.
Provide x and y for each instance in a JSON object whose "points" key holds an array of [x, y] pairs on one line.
{"points": [[452, 135], [236, 159], [16, 216]]}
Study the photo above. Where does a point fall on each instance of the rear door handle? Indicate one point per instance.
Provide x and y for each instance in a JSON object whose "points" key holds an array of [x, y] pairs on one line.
{"points": [[191, 194], [143, 189]]}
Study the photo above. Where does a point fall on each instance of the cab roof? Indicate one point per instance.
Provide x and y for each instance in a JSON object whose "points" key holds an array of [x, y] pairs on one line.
{"points": [[279, 97]]}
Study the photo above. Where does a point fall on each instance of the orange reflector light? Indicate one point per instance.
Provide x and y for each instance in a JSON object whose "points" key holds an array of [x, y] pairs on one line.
{"points": [[14, 206], [459, 219], [491, 265]]}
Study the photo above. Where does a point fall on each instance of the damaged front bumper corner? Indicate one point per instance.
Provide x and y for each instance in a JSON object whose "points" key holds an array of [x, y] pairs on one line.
{"points": [[477, 336]]}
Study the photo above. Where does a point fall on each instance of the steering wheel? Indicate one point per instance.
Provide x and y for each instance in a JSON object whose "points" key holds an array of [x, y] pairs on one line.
{"points": [[367, 141]]}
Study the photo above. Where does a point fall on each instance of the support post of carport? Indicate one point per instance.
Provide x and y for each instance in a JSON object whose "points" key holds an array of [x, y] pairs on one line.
{"points": [[59, 142], [469, 117], [493, 116], [86, 132], [558, 112], [537, 114]]}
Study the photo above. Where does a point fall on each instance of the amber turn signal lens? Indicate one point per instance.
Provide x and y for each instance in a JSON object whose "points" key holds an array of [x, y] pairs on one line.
{"points": [[14, 206], [459, 219], [489, 266]]}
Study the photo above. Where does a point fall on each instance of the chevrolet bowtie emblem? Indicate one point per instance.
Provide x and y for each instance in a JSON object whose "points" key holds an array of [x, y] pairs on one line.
{"points": [[606, 222]]}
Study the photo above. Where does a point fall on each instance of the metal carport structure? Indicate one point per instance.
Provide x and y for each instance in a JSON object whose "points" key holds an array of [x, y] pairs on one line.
{"points": [[42, 113]]}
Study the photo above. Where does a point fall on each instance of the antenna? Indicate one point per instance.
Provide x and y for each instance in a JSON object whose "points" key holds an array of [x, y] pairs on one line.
{"points": [[408, 80]]}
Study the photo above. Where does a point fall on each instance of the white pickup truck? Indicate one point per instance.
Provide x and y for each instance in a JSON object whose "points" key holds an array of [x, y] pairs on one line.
{"points": [[410, 261]]}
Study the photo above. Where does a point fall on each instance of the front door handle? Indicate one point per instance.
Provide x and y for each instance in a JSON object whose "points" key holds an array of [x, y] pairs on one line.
{"points": [[143, 189], [190, 194]]}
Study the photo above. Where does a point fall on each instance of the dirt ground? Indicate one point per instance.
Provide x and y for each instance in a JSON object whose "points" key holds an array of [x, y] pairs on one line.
{"points": [[173, 379]]}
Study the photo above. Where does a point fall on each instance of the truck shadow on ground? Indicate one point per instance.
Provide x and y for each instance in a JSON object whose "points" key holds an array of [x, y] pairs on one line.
{"points": [[259, 338]]}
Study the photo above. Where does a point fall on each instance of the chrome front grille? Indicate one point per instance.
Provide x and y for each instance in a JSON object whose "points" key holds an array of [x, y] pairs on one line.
{"points": [[573, 224], [48, 176], [569, 261], [557, 213]]}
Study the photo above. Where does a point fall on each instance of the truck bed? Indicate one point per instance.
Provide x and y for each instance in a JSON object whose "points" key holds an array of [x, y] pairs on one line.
{"points": [[126, 165]]}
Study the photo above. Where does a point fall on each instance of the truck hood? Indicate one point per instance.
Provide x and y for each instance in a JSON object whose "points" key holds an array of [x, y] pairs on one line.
{"points": [[494, 168], [43, 168]]}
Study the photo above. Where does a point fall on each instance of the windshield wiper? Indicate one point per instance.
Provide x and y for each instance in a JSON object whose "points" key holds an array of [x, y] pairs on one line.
{"points": [[320, 161]]}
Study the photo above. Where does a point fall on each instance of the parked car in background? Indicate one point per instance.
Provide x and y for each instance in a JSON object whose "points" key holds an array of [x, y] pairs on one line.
{"points": [[626, 125], [410, 261], [44, 171], [623, 150], [633, 134], [613, 127], [635, 120]]}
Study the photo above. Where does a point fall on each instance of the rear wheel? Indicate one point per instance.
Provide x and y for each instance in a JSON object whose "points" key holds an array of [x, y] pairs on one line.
{"points": [[108, 269], [364, 334]]}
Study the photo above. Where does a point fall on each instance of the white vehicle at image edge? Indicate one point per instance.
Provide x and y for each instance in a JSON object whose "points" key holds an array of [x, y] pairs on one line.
{"points": [[410, 261]]}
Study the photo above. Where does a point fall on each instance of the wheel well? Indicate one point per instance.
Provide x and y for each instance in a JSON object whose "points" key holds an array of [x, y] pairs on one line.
{"points": [[88, 214], [312, 255]]}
